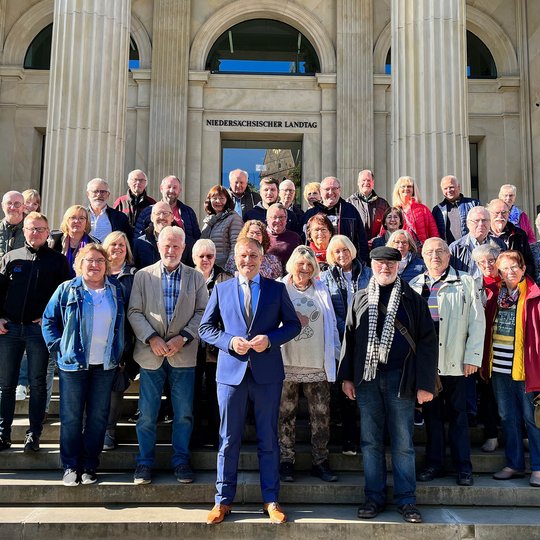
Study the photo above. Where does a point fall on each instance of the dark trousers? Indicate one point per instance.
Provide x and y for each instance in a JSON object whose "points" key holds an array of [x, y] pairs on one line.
{"points": [[454, 398]]}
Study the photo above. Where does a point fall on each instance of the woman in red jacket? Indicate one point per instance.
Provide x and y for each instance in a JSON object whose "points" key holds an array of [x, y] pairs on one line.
{"points": [[512, 361], [419, 220]]}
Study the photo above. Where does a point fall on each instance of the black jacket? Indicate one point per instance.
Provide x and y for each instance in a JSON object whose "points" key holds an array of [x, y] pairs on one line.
{"points": [[516, 238], [28, 279], [419, 370]]}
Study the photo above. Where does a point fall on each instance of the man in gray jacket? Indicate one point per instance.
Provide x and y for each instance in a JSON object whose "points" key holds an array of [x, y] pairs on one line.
{"points": [[166, 306], [454, 303]]}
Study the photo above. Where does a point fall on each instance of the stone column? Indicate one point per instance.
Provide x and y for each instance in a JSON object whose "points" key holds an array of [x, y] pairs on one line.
{"points": [[87, 100], [429, 94], [354, 90], [169, 89]]}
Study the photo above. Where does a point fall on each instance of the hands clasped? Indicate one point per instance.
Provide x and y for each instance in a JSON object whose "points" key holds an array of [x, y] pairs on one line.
{"points": [[160, 347], [241, 345]]}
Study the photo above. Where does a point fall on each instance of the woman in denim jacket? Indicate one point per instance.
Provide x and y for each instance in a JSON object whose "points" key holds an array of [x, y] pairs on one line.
{"points": [[84, 324]]}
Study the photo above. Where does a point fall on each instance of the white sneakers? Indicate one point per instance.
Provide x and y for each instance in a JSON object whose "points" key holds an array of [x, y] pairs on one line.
{"points": [[20, 392]]}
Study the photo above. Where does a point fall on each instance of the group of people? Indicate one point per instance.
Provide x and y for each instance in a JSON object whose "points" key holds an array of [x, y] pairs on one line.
{"points": [[393, 311]]}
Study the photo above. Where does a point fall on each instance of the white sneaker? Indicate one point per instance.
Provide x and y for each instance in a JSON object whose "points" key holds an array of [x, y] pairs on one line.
{"points": [[20, 392], [490, 445]]}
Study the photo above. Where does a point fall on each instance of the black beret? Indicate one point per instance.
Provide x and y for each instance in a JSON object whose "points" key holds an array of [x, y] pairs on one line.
{"points": [[385, 253]]}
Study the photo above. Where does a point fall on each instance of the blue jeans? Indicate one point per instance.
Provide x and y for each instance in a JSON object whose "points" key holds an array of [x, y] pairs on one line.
{"points": [[182, 382], [84, 408], [21, 337], [515, 407], [380, 406]]}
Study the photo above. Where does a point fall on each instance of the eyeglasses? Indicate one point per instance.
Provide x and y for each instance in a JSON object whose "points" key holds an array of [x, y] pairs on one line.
{"points": [[39, 230], [500, 212], [487, 262], [279, 218], [162, 214], [13, 204], [322, 230], [75, 218], [99, 192], [508, 269], [388, 264], [434, 253], [406, 186], [289, 190], [95, 261], [305, 250], [205, 256]]}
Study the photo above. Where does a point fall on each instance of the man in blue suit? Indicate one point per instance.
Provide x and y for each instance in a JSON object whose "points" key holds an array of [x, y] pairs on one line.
{"points": [[248, 319]]}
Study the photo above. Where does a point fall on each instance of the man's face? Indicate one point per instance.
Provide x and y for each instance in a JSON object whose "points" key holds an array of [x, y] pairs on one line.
{"points": [[385, 272], [508, 196], [286, 193], [248, 260], [13, 207], [137, 183], [269, 193], [498, 212], [366, 183], [36, 232], [170, 190], [478, 224], [161, 216], [276, 220], [98, 193], [238, 183], [170, 249], [436, 257], [330, 192], [450, 189]]}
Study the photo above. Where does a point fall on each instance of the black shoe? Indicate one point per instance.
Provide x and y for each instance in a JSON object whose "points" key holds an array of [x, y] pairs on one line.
{"points": [[184, 474], [4, 444], [324, 472], [31, 443], [165, 419], [136, 415], [418, 417], [465, 479], [429, 473], [286, 471], [410, 513], [369, 510]]}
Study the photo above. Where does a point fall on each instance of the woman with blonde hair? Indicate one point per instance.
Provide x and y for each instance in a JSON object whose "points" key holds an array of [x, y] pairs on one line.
{"points": [[419, 220], [411, 264]]}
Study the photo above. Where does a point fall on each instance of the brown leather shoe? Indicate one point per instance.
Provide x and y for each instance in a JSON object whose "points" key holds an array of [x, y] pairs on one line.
{"points": [[218, 513], [275, 512]]}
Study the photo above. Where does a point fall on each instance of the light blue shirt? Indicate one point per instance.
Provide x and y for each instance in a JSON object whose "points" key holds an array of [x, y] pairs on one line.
{"points": [[255, 291]]}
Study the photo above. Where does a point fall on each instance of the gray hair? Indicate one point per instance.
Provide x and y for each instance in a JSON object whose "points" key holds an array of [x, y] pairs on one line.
{"points": [[484, 250], [96, 180], [339, 239], [173, 231], [475, 209], [303, 252], [238, 171], [508, 186], [137, 171], [407, 235], [203, 243], [441, 242], [286, 182]]}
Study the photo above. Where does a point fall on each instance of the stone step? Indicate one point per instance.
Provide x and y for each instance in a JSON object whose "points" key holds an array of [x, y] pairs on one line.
{"points": [[123, 458], [316, 522], [45, 487], [126, 431]]}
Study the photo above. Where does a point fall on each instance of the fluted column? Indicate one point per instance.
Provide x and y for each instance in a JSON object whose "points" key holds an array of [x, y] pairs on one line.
{"points": [[87, 100], [354, 90], [169, 89], [429, 93]]}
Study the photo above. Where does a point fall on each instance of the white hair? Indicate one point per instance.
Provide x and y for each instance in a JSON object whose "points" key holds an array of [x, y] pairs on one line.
{"points": [[95, 181], [172, 231]]}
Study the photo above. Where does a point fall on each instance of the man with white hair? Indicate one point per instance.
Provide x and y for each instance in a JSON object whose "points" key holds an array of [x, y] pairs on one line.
{"points": [[136, 199], [287, 196], [244, 199], [11, 227], [165, 309], [451, 213], [103, 218]]}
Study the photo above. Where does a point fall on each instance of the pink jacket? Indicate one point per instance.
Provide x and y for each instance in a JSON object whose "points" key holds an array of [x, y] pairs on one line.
{"points": [[420, 220]]}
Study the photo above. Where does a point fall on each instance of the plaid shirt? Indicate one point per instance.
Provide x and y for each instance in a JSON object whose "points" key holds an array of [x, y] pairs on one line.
{"points": [[170, 284]]}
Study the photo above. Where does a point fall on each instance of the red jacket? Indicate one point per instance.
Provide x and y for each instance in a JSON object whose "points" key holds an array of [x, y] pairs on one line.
{"points": [[531, 326], [420, 220]]}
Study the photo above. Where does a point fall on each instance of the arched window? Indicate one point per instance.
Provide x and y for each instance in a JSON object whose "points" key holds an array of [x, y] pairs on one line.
{"points": [[480, 62], [38, 55], [263, 46]]}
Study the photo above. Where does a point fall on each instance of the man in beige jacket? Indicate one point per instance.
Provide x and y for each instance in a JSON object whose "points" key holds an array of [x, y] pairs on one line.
{"points": [[166, 306]]}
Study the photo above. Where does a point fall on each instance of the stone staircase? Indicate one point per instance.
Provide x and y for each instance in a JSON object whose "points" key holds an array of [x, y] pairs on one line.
{"points": [[34, 503]]}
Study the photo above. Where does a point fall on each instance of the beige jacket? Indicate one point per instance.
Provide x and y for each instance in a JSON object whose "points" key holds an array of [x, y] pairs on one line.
{"points": [[147, 315]]}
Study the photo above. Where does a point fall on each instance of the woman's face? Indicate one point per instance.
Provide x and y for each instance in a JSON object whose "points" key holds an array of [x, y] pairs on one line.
{"points": [[406, 190], [511, 272], [31, 205], [487, 266], [508, 196], [391, 222], [117, 251], [313, 196], [76, 223], [401, 243], [303, 270], [342, 256], [204, 260], [93, 267], [218, 202], [320, 236], [255, 232]]}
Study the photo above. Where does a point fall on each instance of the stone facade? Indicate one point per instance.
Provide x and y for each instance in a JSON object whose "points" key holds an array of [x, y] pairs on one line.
{"points": [[164, 117]]}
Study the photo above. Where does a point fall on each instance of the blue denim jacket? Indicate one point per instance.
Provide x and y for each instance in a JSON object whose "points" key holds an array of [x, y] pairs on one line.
{"points": [[67, 325]]}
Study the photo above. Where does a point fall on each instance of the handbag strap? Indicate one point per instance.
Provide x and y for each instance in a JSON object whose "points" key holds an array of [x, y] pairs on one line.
{"points": [[401, 328]]}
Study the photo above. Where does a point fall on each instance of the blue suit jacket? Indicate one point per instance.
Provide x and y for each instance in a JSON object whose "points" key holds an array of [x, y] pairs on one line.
{"points": [[223, 319]]}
